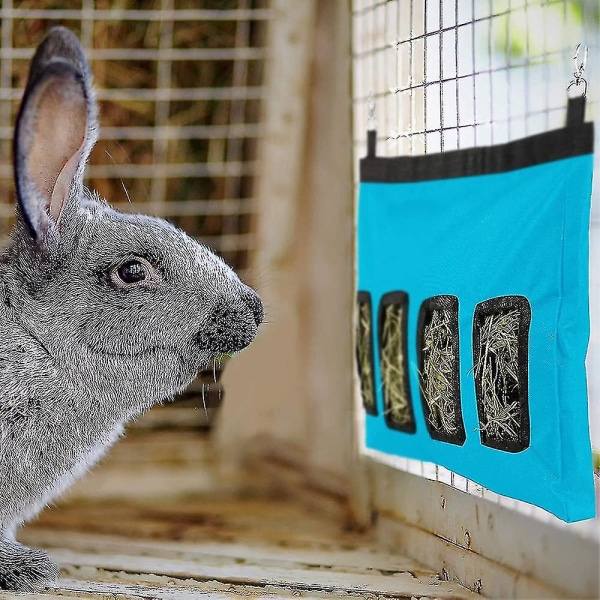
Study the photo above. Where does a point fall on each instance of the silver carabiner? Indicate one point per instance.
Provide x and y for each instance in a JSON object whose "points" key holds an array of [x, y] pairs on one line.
{"points": [[577, 82], [580, 66], [578, 77]]}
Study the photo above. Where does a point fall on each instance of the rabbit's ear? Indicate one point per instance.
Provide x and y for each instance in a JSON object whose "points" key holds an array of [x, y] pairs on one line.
{"points": [[55, 130]]}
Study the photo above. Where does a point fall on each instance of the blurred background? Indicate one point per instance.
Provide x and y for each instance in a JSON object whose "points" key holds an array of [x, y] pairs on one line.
{"points": [[179, 97], [242, 121], [179, 86]]}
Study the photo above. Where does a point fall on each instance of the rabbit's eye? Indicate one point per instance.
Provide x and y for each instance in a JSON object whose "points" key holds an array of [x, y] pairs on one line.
{"points": [[133, 271]]}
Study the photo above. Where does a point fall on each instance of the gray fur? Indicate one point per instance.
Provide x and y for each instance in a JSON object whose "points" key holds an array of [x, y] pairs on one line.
{"points": [[82, 352]]}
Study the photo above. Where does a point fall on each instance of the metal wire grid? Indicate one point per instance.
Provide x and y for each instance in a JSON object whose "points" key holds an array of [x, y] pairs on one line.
{"points": [[177, 140], [430, 66], [434, 75]]}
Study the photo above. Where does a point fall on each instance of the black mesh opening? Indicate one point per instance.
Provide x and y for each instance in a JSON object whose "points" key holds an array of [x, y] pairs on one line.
{"points": [[364, 352], [500, 359], [439, 368], [393, 362]]}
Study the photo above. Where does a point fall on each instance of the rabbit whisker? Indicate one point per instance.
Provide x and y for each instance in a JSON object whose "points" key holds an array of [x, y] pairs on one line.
{"points": [[126, 191], [204, 404], [122, 182]]}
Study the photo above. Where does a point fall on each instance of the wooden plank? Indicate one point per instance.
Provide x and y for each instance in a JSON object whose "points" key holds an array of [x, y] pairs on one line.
{"points": [[72, 588], [365, 559], [212, 590], [211, 516], [49, 595], [150, 481], [166, 590], [326, 580]]}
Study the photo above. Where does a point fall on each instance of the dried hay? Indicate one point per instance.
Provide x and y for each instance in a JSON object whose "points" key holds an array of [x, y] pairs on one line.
{"points": [[497, 371], [439, 365], [365, 354], [393, 366]]}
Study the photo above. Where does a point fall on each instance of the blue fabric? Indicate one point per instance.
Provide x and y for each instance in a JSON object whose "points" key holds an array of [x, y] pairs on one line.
{"points": [[523, 232]]}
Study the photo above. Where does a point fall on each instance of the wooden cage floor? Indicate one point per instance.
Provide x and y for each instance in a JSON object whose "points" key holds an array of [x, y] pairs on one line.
{"points": [[217, 541]]}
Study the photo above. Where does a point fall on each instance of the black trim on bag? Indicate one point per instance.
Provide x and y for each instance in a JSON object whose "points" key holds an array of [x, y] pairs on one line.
{"points": [[438, 353], [367, 380], [371, 143], [576, 111], [504, 410], [395, 304], [570, 141]]}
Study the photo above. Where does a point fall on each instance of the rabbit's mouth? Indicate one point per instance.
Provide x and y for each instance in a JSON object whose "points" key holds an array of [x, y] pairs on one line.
{"points": [[187, 359], [182, 363], [128, 352]]}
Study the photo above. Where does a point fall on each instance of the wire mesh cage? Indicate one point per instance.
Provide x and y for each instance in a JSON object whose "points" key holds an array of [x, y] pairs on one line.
{"points": [[433, 76], [179, 84]]}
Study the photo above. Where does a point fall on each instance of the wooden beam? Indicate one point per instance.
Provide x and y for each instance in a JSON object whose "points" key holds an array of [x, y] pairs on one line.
{"points": [[266, 385], [294, 386]]}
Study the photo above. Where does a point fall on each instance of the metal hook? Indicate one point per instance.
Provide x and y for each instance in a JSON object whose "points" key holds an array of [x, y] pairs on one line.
{"points": [[580, 67], [577, 82], [578, 77]]}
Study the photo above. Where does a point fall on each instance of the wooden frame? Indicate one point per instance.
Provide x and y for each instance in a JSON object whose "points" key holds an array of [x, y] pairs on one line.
{"points": [[489, 548]]}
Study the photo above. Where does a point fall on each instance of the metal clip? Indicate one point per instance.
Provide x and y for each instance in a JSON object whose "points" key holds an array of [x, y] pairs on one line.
{"points": [[578, 77], [580, 66]]}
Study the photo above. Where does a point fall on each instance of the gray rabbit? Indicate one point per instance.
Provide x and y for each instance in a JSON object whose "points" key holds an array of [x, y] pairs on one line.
{"points": [[102, 314]]}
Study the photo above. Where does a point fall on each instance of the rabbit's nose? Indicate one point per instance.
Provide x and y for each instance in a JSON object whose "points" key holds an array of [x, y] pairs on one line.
{"points": [[233, 323], [251, 299]]}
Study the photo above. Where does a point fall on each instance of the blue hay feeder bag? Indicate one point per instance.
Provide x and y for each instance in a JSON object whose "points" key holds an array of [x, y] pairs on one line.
{"points": [[473, 322]]}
